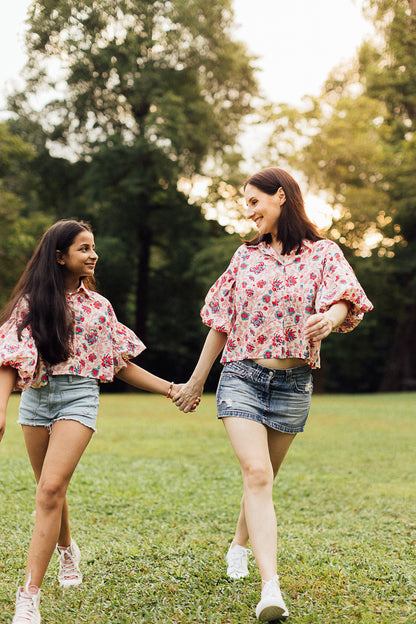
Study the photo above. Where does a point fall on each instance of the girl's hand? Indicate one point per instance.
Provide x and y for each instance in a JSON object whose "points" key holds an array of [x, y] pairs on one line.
{"points": [[8, 376], [2, 424], [318, 326], [188, 397]]}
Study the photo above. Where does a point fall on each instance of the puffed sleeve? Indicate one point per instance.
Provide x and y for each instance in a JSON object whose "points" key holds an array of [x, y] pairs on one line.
{"points": [[19, 354], [340, 283], [126, 345], [218, 311]]}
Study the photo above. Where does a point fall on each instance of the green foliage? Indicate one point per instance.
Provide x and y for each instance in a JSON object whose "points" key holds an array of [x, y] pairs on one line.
{"points": [[346, 358], [142, 94], [358, 146], [21, 221], [391, 74], [168, 72], [155, 499]]}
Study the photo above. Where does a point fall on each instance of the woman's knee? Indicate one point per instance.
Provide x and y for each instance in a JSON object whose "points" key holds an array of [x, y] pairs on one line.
{"points": [[257, 474]]}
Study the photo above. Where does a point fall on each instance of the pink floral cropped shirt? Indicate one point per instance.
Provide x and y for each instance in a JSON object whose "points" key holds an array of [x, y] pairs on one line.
{"points": [[101, 346], [263, 300]]}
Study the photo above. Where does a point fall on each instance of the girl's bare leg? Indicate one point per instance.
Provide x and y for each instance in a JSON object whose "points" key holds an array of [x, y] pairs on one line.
{"points": [[54, 459]]}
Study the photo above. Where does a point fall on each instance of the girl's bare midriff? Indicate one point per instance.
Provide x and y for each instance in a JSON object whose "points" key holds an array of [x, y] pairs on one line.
{"points": [[280, 364]]}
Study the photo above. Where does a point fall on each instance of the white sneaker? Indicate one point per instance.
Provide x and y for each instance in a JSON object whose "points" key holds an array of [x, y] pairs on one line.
{"points": [[271, 606], [27, 606], [69, 573], [237, 562]]}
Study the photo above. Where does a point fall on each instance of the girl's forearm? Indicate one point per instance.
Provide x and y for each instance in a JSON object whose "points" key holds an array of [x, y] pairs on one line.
{"points": [[8, 377], [142, 379]]}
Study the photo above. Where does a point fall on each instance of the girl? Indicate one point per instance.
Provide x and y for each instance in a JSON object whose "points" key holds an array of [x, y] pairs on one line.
{"points": [[282, 293], [60, 339]]}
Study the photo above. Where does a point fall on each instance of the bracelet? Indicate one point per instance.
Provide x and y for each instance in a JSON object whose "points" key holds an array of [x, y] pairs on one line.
{"points": [[172, 383]]}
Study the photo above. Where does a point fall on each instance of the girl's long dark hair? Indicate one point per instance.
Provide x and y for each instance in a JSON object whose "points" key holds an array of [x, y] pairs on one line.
{"points": [[294, 224], [42, 283]]}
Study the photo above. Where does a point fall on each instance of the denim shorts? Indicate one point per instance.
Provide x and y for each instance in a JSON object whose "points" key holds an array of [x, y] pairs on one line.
{"points": [[279, 399], [65, 397]]}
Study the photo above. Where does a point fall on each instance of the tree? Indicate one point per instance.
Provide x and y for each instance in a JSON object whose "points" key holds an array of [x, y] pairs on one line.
{"points": [[357, 143], [390, 76], [145, 93], [21, 221]]}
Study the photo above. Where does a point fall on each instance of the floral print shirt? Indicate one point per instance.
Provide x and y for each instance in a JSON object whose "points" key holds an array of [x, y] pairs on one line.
{"points": [[101, 346], [263, 300]]}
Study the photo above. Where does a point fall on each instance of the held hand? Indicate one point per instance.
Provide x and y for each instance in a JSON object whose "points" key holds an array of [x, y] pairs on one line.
{"points": [[188, 397], [175, 391], [318, 326]]}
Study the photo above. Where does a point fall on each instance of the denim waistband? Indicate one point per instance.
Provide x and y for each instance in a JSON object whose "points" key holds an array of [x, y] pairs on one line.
{"points": [[71, 379], [257, 371]]}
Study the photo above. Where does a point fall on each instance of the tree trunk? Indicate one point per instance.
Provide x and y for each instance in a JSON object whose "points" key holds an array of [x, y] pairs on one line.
{"points": [[142, 288]]}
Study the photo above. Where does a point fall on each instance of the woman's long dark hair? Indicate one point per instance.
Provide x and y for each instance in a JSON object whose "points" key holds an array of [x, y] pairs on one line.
{"points": [[294, 224], [42, 282]]}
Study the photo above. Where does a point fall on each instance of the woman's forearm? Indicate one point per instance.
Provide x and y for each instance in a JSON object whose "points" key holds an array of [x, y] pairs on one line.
{"points": [[191, 392], [214, 344], [337, 313]]}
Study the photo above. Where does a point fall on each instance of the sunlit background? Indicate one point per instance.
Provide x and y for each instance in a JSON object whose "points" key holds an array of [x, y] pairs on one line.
{"points": [[312, 37]]}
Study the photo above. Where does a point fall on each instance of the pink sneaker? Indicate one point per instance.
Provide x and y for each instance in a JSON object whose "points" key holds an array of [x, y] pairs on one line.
{"points": [[27, 606], [69, 572]]}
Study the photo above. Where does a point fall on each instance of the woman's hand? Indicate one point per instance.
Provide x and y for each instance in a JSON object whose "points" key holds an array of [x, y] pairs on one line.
{"points": [[188, 397], [318, 326]]}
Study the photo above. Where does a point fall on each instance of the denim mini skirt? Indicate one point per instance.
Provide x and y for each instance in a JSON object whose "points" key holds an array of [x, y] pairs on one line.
{"points": [[65, 397], [279, 399]]}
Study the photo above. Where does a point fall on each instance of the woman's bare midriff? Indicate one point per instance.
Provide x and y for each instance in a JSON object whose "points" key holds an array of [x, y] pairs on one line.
{"points": [[281, 364]]}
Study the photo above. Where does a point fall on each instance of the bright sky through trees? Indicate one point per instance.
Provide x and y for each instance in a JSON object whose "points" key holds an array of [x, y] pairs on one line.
{"points": [[297, 44]]}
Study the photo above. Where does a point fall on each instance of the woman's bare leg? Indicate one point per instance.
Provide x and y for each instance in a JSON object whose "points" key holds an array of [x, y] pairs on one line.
{"points": [[260, 452]]}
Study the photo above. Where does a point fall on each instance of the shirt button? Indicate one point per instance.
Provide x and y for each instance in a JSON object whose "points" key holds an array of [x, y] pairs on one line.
{"points": [[271, 373]]}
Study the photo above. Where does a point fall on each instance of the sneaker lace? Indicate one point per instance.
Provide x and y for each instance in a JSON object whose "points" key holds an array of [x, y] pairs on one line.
{"points": [[25, 607], [272, 588], [68, 564]]}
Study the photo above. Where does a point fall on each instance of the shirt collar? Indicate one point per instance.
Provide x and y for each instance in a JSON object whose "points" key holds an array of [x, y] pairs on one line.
{"points": [[268, 249], [80, 290]]}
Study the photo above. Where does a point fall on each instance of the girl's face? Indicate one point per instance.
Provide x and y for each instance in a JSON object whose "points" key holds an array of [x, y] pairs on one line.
{"points": [[264, 209], [80, 259]]}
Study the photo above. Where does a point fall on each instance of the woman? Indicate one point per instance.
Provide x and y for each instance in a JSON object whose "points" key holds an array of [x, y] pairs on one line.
{"points": [[60, 339], [283, 292]]}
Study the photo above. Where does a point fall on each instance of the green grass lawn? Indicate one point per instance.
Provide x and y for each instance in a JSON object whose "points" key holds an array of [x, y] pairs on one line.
{"points": [[156, 496]]}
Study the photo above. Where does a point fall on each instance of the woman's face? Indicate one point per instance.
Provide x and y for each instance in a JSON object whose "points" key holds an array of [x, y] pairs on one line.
{"points": [[264, 209]]}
